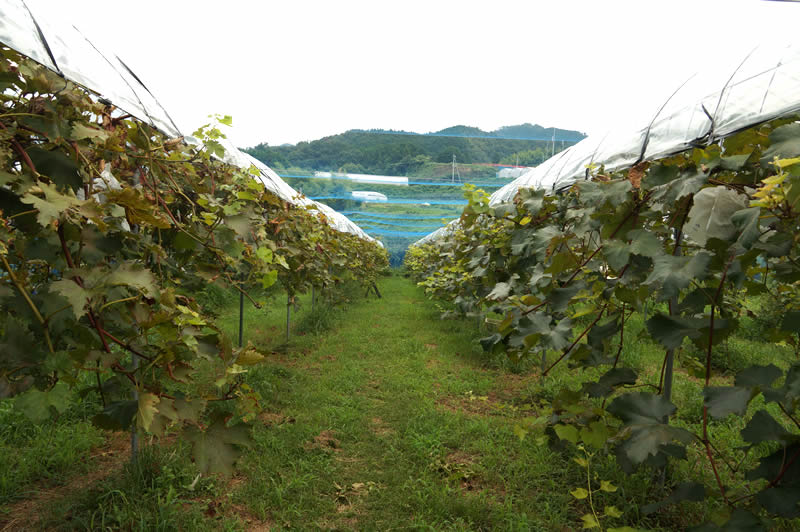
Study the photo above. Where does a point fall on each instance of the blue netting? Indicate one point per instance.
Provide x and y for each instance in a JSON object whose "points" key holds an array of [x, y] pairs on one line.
{"points": [[398, 216], [439, 184], [371, 223], [410, 234], [411, 201]]}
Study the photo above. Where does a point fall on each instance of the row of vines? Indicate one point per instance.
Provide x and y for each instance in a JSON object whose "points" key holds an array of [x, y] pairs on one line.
{"points": [[694, 236], [108, 231]]}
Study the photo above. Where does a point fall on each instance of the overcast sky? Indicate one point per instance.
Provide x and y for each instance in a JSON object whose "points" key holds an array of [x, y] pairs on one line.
{"points": [[296, 70]]}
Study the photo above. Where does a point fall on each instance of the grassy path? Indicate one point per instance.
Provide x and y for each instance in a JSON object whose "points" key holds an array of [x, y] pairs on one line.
{"points": [[378, 416], [389, 421]]}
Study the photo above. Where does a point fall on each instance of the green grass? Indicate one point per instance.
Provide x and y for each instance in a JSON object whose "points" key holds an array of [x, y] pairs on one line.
{"points": [[378, 415]]}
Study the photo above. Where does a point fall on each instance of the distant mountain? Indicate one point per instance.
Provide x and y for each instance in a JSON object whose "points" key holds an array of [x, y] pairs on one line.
{"points": [[390, 152]]}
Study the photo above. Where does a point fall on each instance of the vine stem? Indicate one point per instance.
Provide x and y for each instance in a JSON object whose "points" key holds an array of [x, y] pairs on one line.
{"points": [[574, 343], [30, 302], [22, 153], [706, 441], [589, 487]]}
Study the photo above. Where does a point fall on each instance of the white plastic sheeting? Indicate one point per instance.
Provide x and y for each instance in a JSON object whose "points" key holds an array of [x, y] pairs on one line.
{"points": [[62, 48], [763, 85]]}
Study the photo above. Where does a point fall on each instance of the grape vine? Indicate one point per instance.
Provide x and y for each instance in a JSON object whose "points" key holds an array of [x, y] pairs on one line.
{"points": [[107, 231], [694, 235]]}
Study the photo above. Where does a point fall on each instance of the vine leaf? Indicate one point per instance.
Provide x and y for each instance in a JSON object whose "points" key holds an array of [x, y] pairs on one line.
{"points": [[762, 376], [605, 385], [57, 166], [685, 491], [724, 400], [116, 416], [763, 427], [589, 521], [740, 521], [53, 204], [215, 450], [133, 275], [676, 273], [784, 142], [75, 295], [711, 212], [670, 331], [781, 500], [643, 414], [37, 404]]}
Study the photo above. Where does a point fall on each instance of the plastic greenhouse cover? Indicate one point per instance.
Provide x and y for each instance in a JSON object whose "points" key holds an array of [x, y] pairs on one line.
{"points": [[761, 86], [64, 49]]}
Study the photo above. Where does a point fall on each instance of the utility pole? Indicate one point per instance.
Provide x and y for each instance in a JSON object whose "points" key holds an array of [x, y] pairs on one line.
{"points": [[455, 171]]}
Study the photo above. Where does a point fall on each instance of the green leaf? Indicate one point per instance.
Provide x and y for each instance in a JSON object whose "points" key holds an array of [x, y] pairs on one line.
{"points": [[606, 485], [763, 427], [617, 253], [725, 400], [645, 243], [685, 491], [579, 493], [781, 500], [611, 379], [645, 413], [567, 432], [216, 449], [184, 242], [116, 416], [676, 273], [746, 223], [670, 331], [784, 143], [265, 254], [762, 376], [559, 298], [743, 521], [75, 295], [53, 204], [589, 521], [269, 279], [134, 276], [189, 409], [665, 196], [61, 169], [612, 511], [82, 131], [711, 213], [595, 435], [37, 404], [638, 408]]}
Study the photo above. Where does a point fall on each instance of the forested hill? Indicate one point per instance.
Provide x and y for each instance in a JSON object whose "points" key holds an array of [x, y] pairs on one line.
{"points": [[402, 152]]}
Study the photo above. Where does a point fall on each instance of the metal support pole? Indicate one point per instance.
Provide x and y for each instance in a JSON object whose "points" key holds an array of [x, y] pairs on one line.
{"points": [[673, 304], [241, 317], [134, 428], [288, 315]]}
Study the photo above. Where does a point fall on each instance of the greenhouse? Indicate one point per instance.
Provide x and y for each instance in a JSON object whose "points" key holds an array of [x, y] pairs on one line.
{"points": [[65, 50], [706, 108]]}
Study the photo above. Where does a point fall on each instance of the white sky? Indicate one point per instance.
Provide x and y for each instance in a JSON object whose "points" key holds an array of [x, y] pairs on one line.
{"points": [[295, 70]]}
